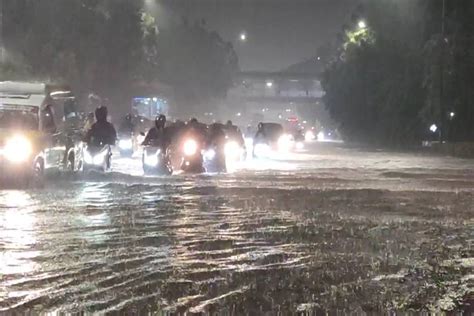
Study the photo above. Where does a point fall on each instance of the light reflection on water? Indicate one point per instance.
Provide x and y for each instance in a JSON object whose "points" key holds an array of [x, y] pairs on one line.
{"points": [[17, 233], [246, 243]]}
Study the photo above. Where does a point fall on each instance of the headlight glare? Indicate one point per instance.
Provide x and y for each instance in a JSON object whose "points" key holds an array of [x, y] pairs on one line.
{"points": [[284, 143], [190, 147], [232, 150], [210, 154], [17, 149], [125, 144]]}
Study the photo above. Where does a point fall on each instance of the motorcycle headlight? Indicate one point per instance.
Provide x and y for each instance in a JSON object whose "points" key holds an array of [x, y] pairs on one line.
{"points": [[151, 160], [309, 136], [190, 147], [232, 149], [17, 149], [284, 142], [299, 145], [210, 154], [99, 158], [87, 157], [125, 144], [262, 150]]}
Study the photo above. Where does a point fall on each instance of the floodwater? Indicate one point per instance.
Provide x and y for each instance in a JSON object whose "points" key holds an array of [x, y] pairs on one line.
{"points": [[331, 229]]}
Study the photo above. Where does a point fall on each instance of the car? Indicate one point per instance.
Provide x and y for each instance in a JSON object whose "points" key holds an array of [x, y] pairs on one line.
{"points": [[30, 142]]}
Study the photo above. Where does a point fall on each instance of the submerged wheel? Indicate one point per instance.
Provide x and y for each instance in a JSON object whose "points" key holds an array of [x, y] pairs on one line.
{"points": [[71, 163], [37, 176]]}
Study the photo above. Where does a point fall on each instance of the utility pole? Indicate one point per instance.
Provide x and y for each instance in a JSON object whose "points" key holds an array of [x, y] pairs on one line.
{"points": [[2, 54], [443, 128]]}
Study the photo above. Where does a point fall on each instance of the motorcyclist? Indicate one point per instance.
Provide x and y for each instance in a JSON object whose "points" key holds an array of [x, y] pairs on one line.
{"points": [[127, 125], [260, 135], [197, 129], [234, 133], [89, 121], [102, 131], [216, 137], [157, 135], [216, 141]]}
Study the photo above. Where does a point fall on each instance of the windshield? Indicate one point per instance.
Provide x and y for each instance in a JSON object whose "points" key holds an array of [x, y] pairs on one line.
{"points": [[26, 119]]}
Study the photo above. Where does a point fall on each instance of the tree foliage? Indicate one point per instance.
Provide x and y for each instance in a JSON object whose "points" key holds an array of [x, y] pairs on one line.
{"points": [[383, 85], [197, 62], [106, 46]]}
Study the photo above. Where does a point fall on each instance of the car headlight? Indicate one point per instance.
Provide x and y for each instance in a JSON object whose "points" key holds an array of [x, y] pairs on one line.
{"points": [[125, 144], [17, 149], [284, 142], [232, 149], [209, 154], [299, 145], [190, 147]]}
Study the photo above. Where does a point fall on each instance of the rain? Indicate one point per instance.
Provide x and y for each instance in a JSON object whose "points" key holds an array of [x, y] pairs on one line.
{"points": [[304, 157]]}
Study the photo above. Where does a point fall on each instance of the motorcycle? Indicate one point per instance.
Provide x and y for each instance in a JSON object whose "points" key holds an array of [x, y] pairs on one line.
{"points": [[192, 160], [214, 159], [97, 158], [155, 161], [125, 145]]}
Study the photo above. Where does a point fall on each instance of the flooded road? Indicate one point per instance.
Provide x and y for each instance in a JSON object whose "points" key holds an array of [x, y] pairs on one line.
{"points": [[330, 229]]}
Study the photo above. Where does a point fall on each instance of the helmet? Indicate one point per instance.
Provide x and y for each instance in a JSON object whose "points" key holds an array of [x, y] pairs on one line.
{"points": [[128, 117], [160, 121], [229, 123], [260, 126], [101, 113], [193, 121]]}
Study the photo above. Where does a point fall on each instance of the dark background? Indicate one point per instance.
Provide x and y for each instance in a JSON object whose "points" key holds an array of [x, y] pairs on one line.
{"points": [[279, 32]]}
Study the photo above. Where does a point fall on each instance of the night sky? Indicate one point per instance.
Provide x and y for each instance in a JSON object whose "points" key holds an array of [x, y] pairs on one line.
{"points": [[280, 32]]}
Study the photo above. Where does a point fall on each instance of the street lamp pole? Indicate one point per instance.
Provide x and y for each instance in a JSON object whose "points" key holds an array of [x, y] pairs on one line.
{"points": [[443, 129], [2, 57]]}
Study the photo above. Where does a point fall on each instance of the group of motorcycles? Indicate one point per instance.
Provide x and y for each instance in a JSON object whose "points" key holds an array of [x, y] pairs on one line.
{"points": [[190, 150]]}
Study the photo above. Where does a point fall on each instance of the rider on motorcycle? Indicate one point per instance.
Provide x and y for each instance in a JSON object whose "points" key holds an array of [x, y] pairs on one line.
{"points": [[157, 135], [197, 130], [102, 132], [89, 121], [216, 137], [234, 133], [127, 125], [260, 135]]}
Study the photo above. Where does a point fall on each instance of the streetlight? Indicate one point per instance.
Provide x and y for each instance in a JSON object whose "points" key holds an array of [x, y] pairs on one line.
{"points": [[269, 84], [243, 37], [362, 24]]}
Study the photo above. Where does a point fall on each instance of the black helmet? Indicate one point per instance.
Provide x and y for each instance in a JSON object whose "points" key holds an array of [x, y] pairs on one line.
{"points": [[260, 126], [193, 120], [128, 117], [229, 123], [160, 121], [101, 113]]}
